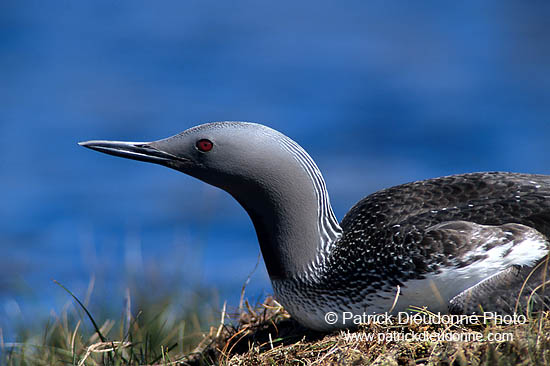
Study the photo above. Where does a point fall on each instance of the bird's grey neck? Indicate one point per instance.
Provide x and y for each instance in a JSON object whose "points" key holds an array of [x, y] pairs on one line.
{"points": [[292, 215]]}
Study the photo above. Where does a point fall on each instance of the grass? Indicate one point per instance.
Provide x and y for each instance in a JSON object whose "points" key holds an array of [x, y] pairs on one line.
{"points": [[158, 331], [261, 335]]}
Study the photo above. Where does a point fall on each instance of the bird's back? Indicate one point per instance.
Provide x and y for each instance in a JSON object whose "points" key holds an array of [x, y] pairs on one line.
{"points": [[492, 198], [412, 230]]}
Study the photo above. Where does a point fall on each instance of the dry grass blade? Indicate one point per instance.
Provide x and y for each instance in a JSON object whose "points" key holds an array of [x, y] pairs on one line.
{"points": [[103, 347]]}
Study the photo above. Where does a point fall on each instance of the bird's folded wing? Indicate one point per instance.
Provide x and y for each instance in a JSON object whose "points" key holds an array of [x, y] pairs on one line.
{"points": [[480, 262]]}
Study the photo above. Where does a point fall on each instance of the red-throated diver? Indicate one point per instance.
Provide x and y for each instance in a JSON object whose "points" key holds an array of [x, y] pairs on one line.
{"points": [[451, 243]]}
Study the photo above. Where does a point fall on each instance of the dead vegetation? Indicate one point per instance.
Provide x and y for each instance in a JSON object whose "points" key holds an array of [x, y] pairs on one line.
{"points": [[267, 336]]}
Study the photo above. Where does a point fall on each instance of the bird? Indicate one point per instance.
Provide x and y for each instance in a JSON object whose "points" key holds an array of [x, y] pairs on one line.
{"points": [[454, 244]]}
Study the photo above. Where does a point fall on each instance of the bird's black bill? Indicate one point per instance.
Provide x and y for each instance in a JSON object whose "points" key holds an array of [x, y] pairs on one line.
{"points": [[141, 151]]}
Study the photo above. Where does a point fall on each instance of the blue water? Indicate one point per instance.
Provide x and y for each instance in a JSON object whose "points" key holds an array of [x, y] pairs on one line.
{"points": [[378, 93]]}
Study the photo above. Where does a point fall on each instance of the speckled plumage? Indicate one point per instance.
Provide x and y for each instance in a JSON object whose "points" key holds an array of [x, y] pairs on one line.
{"points": [[399, 221]]}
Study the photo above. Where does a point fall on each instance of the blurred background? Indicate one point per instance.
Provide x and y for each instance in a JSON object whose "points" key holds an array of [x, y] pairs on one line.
{"points": [[378, 93]]}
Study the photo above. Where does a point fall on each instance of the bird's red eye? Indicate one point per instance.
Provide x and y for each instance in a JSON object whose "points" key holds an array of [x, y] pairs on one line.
{"points": [[204, 145]]}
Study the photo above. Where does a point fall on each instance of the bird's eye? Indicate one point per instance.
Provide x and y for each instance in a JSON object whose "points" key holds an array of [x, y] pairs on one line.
{"points": [[204, 145]]}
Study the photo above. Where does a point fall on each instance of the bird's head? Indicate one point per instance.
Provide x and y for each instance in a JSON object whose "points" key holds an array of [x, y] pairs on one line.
{"points": [[244, 159]]}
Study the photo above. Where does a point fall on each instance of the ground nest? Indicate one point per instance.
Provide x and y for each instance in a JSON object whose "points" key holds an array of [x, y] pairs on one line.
{"points": [[267, 335]]}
